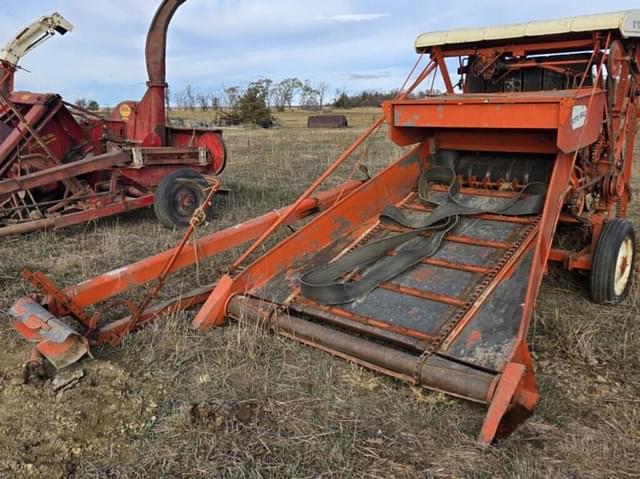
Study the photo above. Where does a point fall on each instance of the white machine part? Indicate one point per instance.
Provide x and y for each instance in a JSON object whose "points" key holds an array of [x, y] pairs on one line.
{"points": [[32, 36], [627, 23]]}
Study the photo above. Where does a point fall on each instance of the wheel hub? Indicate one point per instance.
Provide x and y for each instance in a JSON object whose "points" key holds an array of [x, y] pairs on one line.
{"points": [[185, 201], [623, 266]]}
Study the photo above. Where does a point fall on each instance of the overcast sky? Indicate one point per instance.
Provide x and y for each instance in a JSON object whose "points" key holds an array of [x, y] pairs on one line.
{"points": [[352, 44]]}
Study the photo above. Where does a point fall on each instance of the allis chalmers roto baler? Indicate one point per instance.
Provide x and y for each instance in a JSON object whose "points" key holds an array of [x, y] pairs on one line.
{"points": [[61, 165], [429, 271]]}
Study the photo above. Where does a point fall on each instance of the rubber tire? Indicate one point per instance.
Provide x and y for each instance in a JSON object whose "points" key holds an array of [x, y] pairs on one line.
{"points": [[164, 204], [603, 266]]}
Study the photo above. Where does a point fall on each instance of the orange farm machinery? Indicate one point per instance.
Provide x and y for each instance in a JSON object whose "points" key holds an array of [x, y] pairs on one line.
{"points": [[429, 271], [62, 165]]}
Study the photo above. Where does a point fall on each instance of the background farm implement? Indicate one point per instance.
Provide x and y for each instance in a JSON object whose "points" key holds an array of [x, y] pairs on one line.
{"points": [[61, 164], [429, 271]]}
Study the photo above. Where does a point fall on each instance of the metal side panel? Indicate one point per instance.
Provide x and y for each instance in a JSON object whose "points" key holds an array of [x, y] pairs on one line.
{"points": [[489, 337]]}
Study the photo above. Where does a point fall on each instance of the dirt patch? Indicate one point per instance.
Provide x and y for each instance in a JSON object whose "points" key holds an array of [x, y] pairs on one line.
{"points": [[229, 415], [52, 430]]}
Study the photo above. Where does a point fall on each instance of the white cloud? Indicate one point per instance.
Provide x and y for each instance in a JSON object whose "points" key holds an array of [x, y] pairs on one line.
{"points": [[355, 17], [369, 75], [216, 42], [253, 18]]}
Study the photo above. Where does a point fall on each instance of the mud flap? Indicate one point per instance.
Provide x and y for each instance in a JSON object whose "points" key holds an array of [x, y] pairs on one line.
{"points": [[56, 341]]}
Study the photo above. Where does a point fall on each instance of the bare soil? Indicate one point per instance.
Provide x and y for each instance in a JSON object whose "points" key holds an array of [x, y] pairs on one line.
{"points": [[240, 402]]}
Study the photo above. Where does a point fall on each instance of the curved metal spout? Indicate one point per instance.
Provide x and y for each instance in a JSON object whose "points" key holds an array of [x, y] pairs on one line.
{"points": [[150, 124], [156, 47]]}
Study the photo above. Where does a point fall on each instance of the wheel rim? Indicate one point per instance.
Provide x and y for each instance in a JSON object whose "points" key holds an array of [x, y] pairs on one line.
{"points": [[623, 266], [185, 201]]}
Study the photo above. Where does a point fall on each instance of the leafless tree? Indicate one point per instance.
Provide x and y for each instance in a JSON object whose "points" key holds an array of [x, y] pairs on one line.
{"points": [[167, 98], [309, 96], [178, 99], [190, 97], [265, 85], [203, 101], [285, 91], [232, 95], [276, 97], [214, 99], [322, 88]]}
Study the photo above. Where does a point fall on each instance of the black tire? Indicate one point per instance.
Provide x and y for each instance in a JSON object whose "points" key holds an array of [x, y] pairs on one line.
{"points": [[611, 268], [177, 196]]}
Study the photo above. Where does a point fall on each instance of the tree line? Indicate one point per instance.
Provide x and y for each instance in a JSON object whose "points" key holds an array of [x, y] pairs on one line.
{"points": [[91, 105], [374, 98], [255, 103], [281, 95], [277, 95]]}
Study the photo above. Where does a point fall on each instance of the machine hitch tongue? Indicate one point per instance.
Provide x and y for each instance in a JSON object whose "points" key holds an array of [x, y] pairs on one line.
{"points": [[56, 341]]}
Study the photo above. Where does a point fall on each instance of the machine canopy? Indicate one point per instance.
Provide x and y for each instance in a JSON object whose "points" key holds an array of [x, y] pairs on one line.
{"points": [[627, 23]]}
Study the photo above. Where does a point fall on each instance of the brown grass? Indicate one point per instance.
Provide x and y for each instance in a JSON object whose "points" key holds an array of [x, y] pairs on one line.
{"points": [[269, 407], [295, 118]]}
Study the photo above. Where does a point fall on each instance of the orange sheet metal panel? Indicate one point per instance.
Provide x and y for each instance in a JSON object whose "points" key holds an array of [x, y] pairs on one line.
{"points": [[574, 114], [580, 122], [477, 114]]}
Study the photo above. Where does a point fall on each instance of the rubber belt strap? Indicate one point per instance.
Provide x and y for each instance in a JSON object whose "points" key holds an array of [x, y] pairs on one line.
{"points": [[324, 284]]}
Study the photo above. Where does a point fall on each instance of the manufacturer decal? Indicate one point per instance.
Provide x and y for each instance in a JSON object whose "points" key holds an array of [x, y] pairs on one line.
{"points": [[125, 111], [578, 116]]}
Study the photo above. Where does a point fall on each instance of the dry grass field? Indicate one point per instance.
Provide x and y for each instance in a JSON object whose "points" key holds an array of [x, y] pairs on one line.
{"points": [[241, 402]]}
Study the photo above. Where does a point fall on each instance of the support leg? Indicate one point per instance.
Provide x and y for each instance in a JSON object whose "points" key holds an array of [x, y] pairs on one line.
{"points": [[501, 401], [514, 399]]}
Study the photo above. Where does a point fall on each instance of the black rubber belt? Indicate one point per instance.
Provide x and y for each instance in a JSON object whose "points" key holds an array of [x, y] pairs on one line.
{"points": [[324, 284]]}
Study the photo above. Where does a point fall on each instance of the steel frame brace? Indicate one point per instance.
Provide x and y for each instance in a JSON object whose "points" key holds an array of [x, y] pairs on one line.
{"points": [[63, 345]]}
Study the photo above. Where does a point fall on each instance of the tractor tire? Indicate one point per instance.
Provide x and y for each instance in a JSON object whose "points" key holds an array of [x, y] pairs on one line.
{"points": [[613, 263], [177, 196]]}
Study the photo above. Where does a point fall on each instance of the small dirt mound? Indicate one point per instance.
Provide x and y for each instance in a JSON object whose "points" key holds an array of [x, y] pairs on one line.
{"points": [[228, 415]]}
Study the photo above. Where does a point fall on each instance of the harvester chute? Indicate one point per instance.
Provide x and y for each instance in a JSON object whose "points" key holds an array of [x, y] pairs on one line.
{"points": [[61, 164]]}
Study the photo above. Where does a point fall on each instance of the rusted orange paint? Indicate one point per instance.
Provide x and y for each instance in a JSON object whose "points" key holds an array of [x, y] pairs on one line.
{"points": [[473, 338]]}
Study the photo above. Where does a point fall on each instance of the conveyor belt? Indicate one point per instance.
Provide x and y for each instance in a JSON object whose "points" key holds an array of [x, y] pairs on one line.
{"points": [[449, 301]]}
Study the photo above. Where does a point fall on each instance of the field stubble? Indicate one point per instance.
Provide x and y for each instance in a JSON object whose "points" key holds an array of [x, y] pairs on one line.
{"points": [[241, 402]]}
